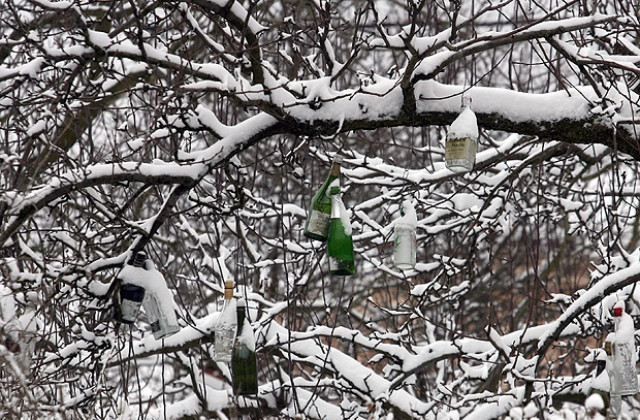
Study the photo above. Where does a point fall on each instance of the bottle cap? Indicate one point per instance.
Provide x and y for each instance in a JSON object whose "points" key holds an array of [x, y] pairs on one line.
{"points": [[139, 258], [241, 304], [618, 308], [337, 158]]}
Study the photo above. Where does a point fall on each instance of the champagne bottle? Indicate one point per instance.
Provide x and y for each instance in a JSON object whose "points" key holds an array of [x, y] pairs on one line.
{"points": [[131, 295], [244, 366], [462, 140], [339, 242], [319, 215], [623, 353], [225, 328]]}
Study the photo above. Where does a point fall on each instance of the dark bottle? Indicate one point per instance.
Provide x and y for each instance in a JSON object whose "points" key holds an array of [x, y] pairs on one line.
{"points": [[319, 215], [339, 242], [244, 366], [131, 295]]}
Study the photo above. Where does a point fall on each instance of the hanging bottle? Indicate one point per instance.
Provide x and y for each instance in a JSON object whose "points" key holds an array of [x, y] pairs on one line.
{"points": [[623, 353], [462, 140], [225, 328], [615, 399], [404, 241], [600, 379], [244, 367], [131, 295], [158, 305], [339, 242], [319, 215]]}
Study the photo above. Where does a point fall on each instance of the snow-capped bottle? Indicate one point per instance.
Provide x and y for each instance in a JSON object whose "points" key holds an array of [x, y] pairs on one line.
{"points": [[600, 380], [131, 295], [623, 353], [339, 241], [225, 329], [404, 241], [462, 140], [319, 215], [244, 367], [158, 305]]}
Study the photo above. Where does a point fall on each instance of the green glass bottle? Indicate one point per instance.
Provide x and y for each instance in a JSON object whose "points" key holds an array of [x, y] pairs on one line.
{"points": [[319, 215], [339, 242], [243, 361]]}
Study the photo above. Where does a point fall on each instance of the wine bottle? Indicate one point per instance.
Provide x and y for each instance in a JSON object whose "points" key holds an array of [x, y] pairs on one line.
{"points": [[339, 241], [319, 215], [623, 353], [404, 241], [225, 328], [461, 144], [131, 295], [244, 366]]}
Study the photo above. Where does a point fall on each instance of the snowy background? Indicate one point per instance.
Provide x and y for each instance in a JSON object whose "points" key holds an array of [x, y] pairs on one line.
{"points": [[199, 131]]}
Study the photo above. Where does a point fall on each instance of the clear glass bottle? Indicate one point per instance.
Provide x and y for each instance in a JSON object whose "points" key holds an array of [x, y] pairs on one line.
{"points": [[339, 242], [319, 215], [225, 328], [158, 305], [244, 366], [404, 241], [461, 144], [623, 353], [162, 318], [131, 295]]}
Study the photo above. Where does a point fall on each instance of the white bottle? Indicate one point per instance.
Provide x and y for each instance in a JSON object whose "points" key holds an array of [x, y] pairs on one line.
{"points": [[404, 241], [461, 144], [623, 353], [225, 329]]}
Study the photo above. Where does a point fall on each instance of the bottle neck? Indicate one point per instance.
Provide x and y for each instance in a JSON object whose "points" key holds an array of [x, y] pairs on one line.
{"points": [[335, 170], [240, 312]]}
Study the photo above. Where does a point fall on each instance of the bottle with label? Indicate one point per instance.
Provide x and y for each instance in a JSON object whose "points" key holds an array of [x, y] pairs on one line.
{"points": [[623, 353], [244, 367], [404, 241], [225, 329], [319, 215], [339, 242], [462, 140], [131, 295]]}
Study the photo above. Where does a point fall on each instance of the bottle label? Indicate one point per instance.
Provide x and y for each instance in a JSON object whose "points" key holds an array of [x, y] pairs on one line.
{"points": [[319, 223], [129, 310], [460, 152], [223, 346], [625, 381]]}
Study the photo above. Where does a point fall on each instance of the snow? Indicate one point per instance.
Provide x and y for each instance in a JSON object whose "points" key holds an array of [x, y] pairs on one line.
{"points": [[314, 101], [409, 217], [465, 125], [344, 216], [594, 402], [516, 106]]}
